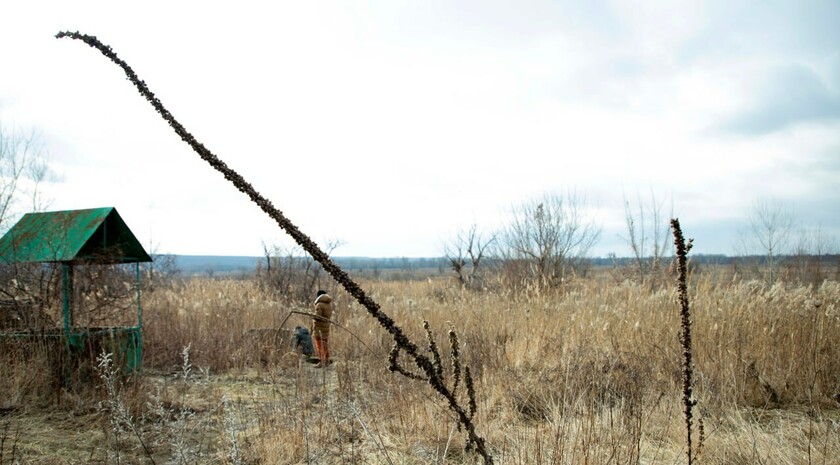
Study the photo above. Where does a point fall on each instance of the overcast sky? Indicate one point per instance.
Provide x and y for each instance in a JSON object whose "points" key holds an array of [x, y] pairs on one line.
{"points": [[390, 125]]}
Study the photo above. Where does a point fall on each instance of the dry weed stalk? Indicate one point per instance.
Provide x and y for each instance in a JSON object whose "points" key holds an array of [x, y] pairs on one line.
{"points": [[436, 377], [114, 406], [682, 249], [13, 456], [234, 454], [401, 341]]}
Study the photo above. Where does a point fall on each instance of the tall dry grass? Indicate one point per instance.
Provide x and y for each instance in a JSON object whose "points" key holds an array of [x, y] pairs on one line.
{"points": [[587, 375], [213, 316], [590, 374]]}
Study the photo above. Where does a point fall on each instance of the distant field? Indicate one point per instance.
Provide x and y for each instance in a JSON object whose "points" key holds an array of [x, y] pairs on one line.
{"points": [[220, 265]]}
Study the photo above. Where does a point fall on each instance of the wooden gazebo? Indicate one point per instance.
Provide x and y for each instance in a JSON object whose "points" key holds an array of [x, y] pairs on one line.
{"points": [[69, 238]]}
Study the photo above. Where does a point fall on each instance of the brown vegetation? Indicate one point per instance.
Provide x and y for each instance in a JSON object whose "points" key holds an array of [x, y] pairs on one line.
{"points": [[566, 371], [590, 373]]}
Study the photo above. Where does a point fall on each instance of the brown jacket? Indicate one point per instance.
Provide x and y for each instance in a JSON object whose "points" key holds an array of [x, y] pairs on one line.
{"points": [[321, 323]]}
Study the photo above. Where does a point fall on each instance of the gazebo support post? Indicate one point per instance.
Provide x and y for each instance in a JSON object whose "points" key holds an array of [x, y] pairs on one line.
{"points": [[139, 312], [67, 297]]}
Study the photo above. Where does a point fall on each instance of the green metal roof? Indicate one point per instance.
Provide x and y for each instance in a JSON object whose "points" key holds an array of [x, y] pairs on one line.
{"points": [[96, 235]]}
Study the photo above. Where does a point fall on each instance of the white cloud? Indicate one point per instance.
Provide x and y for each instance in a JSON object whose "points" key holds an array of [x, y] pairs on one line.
{"points": [[392, 124], [782, 97]]}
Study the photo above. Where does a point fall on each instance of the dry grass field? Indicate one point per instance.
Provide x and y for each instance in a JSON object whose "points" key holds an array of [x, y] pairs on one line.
{"points": [[590, 373], [587, 374]]}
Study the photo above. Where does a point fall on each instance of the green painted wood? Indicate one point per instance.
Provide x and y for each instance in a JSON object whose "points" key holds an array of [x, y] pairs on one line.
{"points": [[70, 237], [97, 235]]}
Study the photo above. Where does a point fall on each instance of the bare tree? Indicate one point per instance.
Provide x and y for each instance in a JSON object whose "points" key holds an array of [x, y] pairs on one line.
{"points": [[808, 260], [29, 288], [547, 238], [23, 167], [267, 252], [289, 272], [768, 234], [465, 253], [162, 271], [647, 236]]}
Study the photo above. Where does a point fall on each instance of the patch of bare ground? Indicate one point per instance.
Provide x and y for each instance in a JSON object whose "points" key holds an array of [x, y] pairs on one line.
{"points": [[300, 416]]}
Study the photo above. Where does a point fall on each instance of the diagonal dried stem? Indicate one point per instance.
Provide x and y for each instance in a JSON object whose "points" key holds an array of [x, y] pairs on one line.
{"points": [[401, 340]]}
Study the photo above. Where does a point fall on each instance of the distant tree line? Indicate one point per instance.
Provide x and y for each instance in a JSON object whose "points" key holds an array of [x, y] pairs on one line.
{"points": [[547, 241]]}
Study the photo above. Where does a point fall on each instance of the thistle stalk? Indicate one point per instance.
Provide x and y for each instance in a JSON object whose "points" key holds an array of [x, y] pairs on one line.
{"points": [[689, 402]]}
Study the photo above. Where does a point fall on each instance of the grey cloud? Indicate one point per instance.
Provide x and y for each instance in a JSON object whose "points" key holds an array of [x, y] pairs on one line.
{"points": [[834, 72], [823, 164], [713, 237], [819, 211], [786, 97], [819, 207], [499, 22], [747, 28], [6, 101], [710, 237]]}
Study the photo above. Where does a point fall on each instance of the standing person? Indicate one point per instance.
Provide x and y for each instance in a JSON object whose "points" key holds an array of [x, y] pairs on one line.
{"points": [[321, 327]]}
